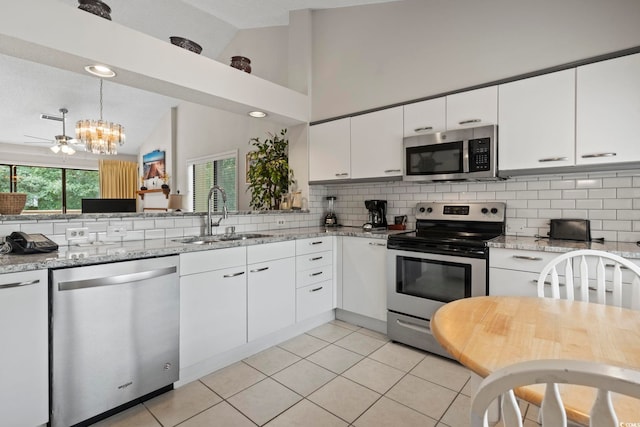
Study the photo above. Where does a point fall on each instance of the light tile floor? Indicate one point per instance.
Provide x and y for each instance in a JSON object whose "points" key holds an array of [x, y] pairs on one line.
{"points": [[337, 374]]}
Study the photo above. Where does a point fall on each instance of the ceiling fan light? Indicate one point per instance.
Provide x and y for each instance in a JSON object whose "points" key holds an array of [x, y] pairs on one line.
{"points": [[55, 148], [67, 150]]}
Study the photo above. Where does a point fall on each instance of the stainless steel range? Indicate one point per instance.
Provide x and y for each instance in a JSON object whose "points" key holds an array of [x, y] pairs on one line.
{"points": [[443, 260]]}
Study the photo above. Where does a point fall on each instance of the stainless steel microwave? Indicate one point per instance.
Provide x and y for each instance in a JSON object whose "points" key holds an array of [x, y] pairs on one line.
{"points": [[458, 155]]}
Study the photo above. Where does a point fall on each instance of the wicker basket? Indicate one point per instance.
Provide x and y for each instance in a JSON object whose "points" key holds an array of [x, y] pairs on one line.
{"points": [[12, 203]]}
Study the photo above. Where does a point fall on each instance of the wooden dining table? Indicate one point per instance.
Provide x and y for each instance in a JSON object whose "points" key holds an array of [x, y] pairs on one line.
{"points": [[490, 332]]}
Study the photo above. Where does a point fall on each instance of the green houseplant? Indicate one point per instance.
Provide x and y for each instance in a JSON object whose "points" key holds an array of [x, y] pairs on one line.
{"points": [[269, 175]]}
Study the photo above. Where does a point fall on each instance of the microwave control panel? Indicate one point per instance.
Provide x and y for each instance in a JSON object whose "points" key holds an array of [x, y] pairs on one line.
{"points": [[479, 154]]}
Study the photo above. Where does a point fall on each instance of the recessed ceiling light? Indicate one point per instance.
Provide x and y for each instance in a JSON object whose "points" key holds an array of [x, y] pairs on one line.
{"points": [[258, 114], [100, 70]]}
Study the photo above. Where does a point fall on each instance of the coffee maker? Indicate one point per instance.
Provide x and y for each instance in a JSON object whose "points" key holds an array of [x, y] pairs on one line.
{"points": [[377, 215]]}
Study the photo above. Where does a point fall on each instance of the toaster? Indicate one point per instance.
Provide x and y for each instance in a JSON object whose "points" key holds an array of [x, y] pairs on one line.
{"points": [[570, 229]]}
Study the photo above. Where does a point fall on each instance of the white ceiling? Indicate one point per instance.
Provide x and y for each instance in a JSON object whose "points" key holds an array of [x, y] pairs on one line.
{"points": [[30, 89]]}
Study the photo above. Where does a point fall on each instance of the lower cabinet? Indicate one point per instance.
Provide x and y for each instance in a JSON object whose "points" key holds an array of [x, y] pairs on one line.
{"points": [[515, 272], [314, 277], [213, 304], [24, 358], [364, 265], [271, 288]]}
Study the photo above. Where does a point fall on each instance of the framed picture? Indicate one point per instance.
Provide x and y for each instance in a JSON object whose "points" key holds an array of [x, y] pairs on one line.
{"points": [[153, 165]]}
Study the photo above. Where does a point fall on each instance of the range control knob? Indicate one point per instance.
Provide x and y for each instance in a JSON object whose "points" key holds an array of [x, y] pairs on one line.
{"points": [[494, 210], [421, 210], [484, 210], [429, 210]]}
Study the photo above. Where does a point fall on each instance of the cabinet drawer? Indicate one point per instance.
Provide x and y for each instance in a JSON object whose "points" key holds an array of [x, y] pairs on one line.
{"points": [[521, 260], [512, 283], [317, 244], [314, 299], [198, 262], [315, 260], [269, 251], [314, 275]]}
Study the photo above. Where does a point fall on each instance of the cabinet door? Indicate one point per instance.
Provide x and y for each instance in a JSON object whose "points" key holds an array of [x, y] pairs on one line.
{"points": [[329, 150], [213, 313], [364, 266], [376, 144], [472, 108], [425, 117], [313, 300], [608, 111], [24, 358], [537, 122], [271, 299]]}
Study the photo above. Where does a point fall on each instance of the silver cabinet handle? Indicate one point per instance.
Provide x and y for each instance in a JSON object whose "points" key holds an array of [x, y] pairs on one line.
{"points": [[318, 242], [589, 156], [528, 258], [257, 270], [377, 244], [115, 280], [315, 274], [342, 174], [315, 289], [392, 170], [422, 129], [609, 291], [413, 326], [18, 284], [553, 159], [240, 273], [466, 122], [546, 283], [316, 258], [622, 267]]}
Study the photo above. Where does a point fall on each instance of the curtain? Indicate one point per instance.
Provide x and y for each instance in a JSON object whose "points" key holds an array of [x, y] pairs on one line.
{"points": [[118, 179]]}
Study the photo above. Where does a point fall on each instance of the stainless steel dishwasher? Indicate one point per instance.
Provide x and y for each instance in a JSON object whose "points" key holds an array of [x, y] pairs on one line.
{"points": [[114, 337]]}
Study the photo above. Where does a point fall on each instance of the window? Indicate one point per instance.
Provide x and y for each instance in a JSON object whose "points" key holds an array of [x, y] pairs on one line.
{"points": [[50, 190], [206, 172]]}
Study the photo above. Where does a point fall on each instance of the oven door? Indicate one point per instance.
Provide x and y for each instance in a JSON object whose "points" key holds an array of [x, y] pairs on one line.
{"points": [[419, 283]]}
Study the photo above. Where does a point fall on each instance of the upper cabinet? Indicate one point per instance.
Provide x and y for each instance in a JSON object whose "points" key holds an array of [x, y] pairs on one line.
{"points": [[608, 111], [376, 144], [537, 117], [472, 108], [425, 117], [330, 150]]}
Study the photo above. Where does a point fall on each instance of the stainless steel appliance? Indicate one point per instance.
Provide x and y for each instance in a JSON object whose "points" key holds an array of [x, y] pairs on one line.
{"points": [[114, 337], [443, 260], [330, 219], [377, 215], [457, 155]]}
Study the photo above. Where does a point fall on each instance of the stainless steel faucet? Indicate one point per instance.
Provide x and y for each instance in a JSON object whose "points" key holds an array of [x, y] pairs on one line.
{"points": [[210, 222]]}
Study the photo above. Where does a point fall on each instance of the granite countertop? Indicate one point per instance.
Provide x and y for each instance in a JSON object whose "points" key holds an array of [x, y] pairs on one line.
{"points": [[86, 254], [624, 249]]}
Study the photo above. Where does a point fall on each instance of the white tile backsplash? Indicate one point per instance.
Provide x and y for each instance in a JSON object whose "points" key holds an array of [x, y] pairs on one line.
{"points": [[611, 200]]}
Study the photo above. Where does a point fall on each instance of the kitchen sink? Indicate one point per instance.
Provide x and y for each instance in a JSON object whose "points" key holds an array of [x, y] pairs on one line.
{"points": [[203, 240]]}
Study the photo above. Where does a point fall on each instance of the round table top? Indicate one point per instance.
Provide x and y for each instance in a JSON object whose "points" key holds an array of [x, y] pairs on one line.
{"points": [[488, 333]]}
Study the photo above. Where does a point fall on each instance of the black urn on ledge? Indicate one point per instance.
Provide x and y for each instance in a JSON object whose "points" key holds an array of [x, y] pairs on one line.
{"points": [[96, 7]]}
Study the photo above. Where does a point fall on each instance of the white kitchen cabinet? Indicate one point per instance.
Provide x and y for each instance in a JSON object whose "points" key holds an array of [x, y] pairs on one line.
{"points": [[537, 122], [608, 111], [271, 288], [330, 150], [424, 117], [515, 272], [213, 303], [376, 144], [364, 289], [478, 107], [24, 358], [314, 277]]}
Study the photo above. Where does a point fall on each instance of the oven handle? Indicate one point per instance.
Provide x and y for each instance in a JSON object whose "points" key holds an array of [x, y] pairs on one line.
{"points": [[418, 328]]}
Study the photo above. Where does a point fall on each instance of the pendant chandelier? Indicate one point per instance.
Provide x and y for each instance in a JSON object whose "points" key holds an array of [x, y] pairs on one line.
{"points": [[99, 136]]}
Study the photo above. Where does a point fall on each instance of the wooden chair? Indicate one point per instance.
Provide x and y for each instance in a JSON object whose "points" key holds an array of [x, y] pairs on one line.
{"points": [[602, 261], [604, 378]]}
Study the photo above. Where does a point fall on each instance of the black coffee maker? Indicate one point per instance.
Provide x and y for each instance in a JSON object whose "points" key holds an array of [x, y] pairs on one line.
{"points": [[377, 215]]}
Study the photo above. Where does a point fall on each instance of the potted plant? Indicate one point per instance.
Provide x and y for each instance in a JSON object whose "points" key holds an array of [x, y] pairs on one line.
{"points": [[269, 175]]}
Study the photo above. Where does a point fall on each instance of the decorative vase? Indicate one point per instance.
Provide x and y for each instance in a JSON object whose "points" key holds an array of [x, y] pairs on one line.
{"points": [[186, 44], [96, 7], [143, 188], [241, 63], [165, 186]]}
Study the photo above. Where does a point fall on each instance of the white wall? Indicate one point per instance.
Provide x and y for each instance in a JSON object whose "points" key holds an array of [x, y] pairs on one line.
{"points": [[372, 56]]}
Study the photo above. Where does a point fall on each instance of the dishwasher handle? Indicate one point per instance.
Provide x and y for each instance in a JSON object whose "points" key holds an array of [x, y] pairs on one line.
{"points": [[116, 280]]}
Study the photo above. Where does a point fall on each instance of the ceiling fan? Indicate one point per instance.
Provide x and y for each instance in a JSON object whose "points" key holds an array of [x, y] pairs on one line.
{"points": [[62, 143]]}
